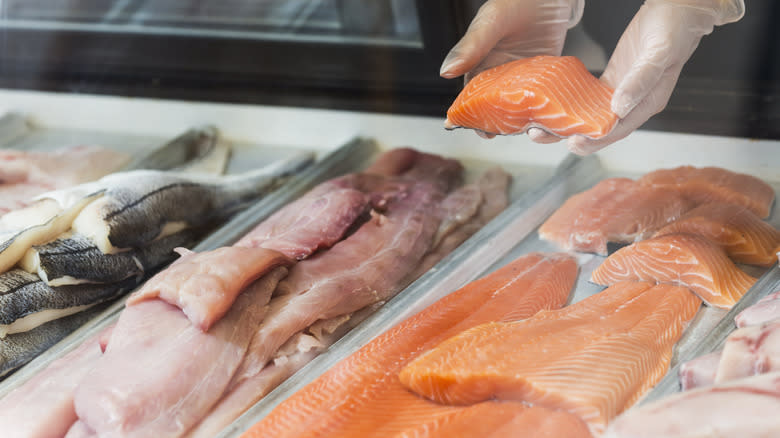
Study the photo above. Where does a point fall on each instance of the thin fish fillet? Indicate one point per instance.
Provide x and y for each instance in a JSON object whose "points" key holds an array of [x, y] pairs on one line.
{"points": [[765, 310], [594, 358], [205, 285], [555, 93], [700, 371], [745, 408], [749, 351], [683, 259], [710, 184], [362, 396], [499, 420], [742, 234], [614, 210]]}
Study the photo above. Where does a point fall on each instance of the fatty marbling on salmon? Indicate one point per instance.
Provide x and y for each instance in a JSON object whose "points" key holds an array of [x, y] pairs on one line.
{"points": [[555, 93], [594, 358], [362, 396], [683, 259]]}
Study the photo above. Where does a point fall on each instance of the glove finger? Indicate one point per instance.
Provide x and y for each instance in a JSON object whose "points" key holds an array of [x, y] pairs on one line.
{"points": [[541, 136], [483, 33]]}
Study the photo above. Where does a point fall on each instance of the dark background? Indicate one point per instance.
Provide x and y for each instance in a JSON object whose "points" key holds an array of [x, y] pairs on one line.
{"points": [[731, 85]]}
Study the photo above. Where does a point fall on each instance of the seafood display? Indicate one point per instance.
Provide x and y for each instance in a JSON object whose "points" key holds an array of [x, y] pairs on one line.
{"points": [[555, 93]]}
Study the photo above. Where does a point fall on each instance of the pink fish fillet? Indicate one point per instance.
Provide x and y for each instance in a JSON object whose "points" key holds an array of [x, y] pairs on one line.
{"points": [[205, 285], [700, 371], [767, 309], [160, 374], [749, 351]]}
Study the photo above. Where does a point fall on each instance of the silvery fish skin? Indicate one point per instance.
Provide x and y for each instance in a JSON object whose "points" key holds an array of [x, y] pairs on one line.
{"points": [[77, 260], [16, 350], [148, 204], [27, 302]]}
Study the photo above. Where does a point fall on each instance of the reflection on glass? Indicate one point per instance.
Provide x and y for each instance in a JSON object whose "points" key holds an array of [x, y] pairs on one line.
{"points": [[392, 22]]}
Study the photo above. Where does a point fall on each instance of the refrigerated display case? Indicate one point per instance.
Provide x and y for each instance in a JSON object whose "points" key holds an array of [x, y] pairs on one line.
{"points": [[277, 77]]}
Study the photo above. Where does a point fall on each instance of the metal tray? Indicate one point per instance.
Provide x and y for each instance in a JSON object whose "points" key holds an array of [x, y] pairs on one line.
{"points": [[509, 236]]}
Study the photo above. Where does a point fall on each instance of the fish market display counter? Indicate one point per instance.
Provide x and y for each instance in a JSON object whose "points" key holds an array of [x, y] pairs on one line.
{"points": [[544, 176]]}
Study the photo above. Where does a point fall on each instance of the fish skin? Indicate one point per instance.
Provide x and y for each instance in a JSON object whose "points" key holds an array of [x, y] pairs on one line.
{"points": [[744, 408], [765, 310], [138, 205], [43, 406], [362, 392], [614, 210], [743, 235], [18, 349], [205, 285], [699, 372], [152, 380], [750, 351], [546, 92], [714, 184], [684, 259], [594, 358], [23, 294], [370, 265], [77, 260]]}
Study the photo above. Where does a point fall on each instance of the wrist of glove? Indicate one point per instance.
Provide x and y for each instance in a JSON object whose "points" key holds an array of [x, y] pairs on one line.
{"points": [[649, 57]]}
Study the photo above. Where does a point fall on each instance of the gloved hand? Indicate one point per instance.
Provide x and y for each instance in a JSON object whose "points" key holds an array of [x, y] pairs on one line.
{"points": [[649, 56], [506, 30]]}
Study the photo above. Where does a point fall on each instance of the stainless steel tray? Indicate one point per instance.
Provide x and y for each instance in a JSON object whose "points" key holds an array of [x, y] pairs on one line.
{"points": [[509, 236]]}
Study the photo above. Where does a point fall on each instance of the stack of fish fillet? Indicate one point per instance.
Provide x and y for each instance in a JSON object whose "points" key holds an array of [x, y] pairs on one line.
{"points": [[203, 340]]}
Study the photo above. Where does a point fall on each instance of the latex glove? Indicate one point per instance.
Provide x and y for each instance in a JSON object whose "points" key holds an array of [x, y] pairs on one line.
{"points": [[506, 30], [649, 56]]}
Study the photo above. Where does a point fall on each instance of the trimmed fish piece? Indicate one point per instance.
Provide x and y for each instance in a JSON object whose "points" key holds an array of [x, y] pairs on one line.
{"points": [[77, 260], [614, 210], [27, 302], [43, 406], [501, 419], [154, 379], [362, 396], [205, 285], [394, 162], [742, 234], [683, 259], [765, 310], [745, 408], [700, 371], [554, 93], [714, 184], [749, 351], [594, 358], [80, 430], [18, 349]]}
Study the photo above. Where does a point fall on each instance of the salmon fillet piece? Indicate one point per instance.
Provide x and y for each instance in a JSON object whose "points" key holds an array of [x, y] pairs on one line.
{"points": [[594, 358], [614, 210], [501, 419], [362, 396], [683, 259], [555, 93], [742, 234], [710, 184]]}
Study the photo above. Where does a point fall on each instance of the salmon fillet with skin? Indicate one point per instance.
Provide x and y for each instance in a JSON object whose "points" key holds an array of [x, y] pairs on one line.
{"points": [[362, 396], [742, 234], [499, 420], [614, 210], [710, 184], [683, 259], [554, 93], [594, 358]]}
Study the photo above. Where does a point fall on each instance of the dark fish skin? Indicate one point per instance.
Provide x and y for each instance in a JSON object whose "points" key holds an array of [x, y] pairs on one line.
{"points": [[80, 258], [22, 294], [18, 349]]}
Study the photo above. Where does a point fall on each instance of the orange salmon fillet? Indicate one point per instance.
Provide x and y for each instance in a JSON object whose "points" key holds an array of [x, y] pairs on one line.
{"points": [[742, 234], [362, 396], [683, 259], [555, 93], [614, 210], [710, 184], [594, 358]]}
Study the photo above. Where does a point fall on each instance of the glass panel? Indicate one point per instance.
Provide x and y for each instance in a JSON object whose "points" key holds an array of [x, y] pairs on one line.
{"points": [[374, 22]]}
